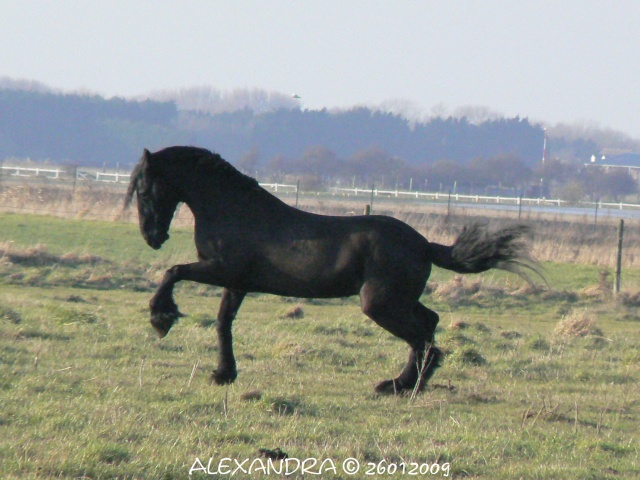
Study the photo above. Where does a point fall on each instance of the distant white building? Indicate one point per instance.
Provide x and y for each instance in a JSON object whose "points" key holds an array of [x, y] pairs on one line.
{"points": [[609, 159]]}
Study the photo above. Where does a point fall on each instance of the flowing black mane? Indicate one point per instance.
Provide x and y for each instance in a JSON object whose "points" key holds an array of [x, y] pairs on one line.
{"points": [[206, 163]]}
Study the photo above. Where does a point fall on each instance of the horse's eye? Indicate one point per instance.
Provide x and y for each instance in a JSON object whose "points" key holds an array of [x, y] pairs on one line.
{"points": [[144, 193]]}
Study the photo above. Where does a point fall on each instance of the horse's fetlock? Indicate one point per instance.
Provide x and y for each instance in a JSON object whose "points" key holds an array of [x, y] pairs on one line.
{"points": [[224, 376]]}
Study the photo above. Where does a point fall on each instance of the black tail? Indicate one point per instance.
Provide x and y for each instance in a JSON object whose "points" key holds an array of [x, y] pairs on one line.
{"points": [[479, 248]]}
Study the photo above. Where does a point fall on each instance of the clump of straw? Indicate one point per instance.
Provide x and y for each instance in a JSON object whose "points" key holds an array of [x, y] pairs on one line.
{"points": [[578, 323]]}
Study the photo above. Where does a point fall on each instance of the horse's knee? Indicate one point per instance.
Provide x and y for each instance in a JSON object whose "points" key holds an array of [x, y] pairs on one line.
{"points": [[170, 277]]}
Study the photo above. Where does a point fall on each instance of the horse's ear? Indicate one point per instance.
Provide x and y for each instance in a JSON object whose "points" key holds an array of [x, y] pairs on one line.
{"points": [[147, 158]]}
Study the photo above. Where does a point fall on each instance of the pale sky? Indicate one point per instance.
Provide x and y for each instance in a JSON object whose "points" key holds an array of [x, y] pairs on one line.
{"points": [[574, 61]]}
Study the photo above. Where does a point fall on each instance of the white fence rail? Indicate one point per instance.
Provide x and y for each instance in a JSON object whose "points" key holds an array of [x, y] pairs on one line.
{"points": [[60, 174], [104, 177], [484, 199], [438, 196], [117, 177], [112, 177], [33, 172], [280, 187]]}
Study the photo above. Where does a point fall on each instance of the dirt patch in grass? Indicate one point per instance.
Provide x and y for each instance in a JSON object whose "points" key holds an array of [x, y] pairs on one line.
{"points": [[295, 312]]}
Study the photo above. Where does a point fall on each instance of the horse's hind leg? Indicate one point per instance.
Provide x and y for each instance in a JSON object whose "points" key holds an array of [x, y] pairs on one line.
{"points": [[229, 305], [415, 324], [424, 357]]}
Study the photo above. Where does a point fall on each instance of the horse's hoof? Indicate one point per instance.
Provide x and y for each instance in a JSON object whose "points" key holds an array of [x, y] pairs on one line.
{"points": [[388, 387], [162, 322], [160, 331], [223, 377]]}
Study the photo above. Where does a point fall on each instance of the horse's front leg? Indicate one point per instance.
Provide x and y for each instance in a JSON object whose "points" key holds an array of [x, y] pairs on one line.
{"points": [[164, 311], [229, 305]]}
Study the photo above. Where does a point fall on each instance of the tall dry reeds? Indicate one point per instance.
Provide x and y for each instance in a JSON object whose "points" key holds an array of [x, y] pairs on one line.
{"points": [[87, 201], [557, 239]]}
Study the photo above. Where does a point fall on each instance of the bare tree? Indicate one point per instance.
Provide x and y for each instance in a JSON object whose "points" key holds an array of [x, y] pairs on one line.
{"points": [[212, 100]]}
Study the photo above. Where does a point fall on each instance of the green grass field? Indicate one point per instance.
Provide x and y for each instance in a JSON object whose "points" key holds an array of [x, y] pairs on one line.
{"points": [[89, 392]]}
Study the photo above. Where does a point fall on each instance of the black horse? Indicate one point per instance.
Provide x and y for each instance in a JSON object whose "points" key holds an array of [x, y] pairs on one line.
{"points": [[250, 241]]}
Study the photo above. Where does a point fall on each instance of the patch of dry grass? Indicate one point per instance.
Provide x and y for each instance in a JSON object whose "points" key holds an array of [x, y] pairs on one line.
{"points": [[602, 290], [458, 288], [577, 323], [39, 256], [629, 299], [10, 315]]}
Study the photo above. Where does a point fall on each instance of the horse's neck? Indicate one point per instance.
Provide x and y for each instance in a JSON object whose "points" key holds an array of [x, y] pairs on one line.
{"points": [[213, 203], [201, 202]]}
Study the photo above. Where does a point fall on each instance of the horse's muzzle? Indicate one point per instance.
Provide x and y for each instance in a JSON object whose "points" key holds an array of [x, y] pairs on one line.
{"points": [[156, 242]]}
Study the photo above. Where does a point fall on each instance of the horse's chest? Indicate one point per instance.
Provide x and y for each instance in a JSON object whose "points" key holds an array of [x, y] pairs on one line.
{"points": [[219, 250]]}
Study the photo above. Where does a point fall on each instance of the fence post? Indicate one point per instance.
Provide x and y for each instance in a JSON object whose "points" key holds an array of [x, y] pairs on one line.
{"points": [[75, 178], [519, 206], [367, 209], [297, 191], [449, 204], [619, 259], [373, 186]]}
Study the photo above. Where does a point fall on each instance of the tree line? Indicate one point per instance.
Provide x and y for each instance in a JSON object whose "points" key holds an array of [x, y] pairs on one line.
{"points": [[95, 130], [318, 168], [277, 139]]}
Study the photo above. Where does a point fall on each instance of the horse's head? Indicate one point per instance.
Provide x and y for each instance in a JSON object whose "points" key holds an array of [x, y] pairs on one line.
{"points": [[157, 200]]}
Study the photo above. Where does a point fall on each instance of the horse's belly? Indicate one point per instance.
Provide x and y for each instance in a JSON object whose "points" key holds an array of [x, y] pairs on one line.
{"points": [[298, 279], [291, 286]]}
